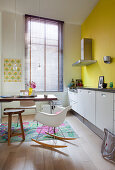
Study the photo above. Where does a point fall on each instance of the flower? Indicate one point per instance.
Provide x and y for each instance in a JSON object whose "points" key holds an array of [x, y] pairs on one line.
{"points": [[33, 85]]}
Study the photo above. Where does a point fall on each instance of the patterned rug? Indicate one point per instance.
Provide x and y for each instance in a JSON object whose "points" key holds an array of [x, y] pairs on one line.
{"points": [[31, 130]]}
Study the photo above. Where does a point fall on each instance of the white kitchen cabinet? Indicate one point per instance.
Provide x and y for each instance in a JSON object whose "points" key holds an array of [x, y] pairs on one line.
{"points": [[104, 110], [73, 100], [89, 105], [96, 106], [75, 106], [86, 104], [76, 101], [73, 96], [81, 102], [70, 95]]}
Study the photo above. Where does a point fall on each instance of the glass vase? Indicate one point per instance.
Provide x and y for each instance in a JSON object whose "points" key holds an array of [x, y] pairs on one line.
{"points": [[30, 91]]}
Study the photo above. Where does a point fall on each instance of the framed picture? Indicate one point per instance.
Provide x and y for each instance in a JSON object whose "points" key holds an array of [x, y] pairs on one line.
{"points": [[101, 81]]}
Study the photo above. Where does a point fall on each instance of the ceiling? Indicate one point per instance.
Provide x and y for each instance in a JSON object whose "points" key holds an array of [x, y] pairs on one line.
{"points": [[70, 11]]}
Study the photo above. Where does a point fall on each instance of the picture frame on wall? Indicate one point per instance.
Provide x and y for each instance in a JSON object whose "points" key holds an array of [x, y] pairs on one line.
{"points": [[101, 81]]}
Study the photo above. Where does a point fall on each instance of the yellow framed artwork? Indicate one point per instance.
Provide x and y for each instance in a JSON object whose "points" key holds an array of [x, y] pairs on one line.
{"points": [[12, 70]]}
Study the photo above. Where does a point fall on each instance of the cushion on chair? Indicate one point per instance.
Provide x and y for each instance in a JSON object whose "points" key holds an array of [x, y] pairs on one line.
{"points": [[14, 111]]}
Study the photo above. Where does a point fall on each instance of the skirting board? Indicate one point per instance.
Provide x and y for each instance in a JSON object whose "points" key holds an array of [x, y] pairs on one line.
{"points": [[92, 127]]}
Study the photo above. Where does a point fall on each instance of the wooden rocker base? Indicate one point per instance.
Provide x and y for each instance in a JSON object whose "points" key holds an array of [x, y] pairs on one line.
{"points": [[60, 138], [48, 145]]}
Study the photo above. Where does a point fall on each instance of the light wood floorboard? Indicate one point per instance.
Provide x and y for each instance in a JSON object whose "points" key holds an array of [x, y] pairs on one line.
{"points": [[81, 154]]}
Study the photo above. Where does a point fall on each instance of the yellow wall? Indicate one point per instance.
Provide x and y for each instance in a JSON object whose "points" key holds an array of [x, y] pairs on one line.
{"points": [[100, 26]]}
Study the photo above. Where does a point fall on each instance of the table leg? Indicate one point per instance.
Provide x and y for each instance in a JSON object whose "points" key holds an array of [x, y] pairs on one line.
{"points": [[17, 120], [9, 127], [21, 124]]}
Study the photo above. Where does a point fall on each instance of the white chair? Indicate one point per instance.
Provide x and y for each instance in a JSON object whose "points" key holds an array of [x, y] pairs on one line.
{"points": [[53, 120]]}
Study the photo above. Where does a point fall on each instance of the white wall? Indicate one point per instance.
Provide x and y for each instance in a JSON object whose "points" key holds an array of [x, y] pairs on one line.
{"points": [[12, 47], [72, 38], [72, 46]]}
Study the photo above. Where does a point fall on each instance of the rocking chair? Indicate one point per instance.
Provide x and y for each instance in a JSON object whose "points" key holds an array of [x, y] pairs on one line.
{"points": [[53, 120]]}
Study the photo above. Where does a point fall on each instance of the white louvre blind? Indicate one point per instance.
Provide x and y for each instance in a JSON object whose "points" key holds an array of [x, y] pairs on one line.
{"points": [[44, 53]]}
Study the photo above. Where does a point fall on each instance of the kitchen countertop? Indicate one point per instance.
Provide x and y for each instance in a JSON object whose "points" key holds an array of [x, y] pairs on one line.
{"points": [[111, 90]]}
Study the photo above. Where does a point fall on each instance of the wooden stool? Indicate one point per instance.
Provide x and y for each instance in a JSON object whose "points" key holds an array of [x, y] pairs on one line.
{"points": [[10, 112]]}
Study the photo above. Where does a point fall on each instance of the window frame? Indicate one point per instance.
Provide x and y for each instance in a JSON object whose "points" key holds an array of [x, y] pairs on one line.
{"points": [[60, 51]]}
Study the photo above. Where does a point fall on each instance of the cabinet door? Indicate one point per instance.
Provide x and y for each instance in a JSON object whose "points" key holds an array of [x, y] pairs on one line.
{"points": [[85, 103], [80, 102], [90, 106], [75, 106], [104, 110], [73, 99], [75, 102], [70, 96]]}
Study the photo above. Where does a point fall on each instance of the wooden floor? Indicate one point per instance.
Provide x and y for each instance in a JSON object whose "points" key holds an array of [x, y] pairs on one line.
{"points": [[81, 154]]}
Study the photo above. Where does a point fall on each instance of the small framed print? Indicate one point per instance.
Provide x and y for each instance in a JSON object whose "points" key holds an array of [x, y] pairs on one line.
{"points": [[101, 81]]}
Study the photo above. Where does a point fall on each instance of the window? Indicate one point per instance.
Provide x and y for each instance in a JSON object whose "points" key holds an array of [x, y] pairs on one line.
{"points": [[44, 53]]}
